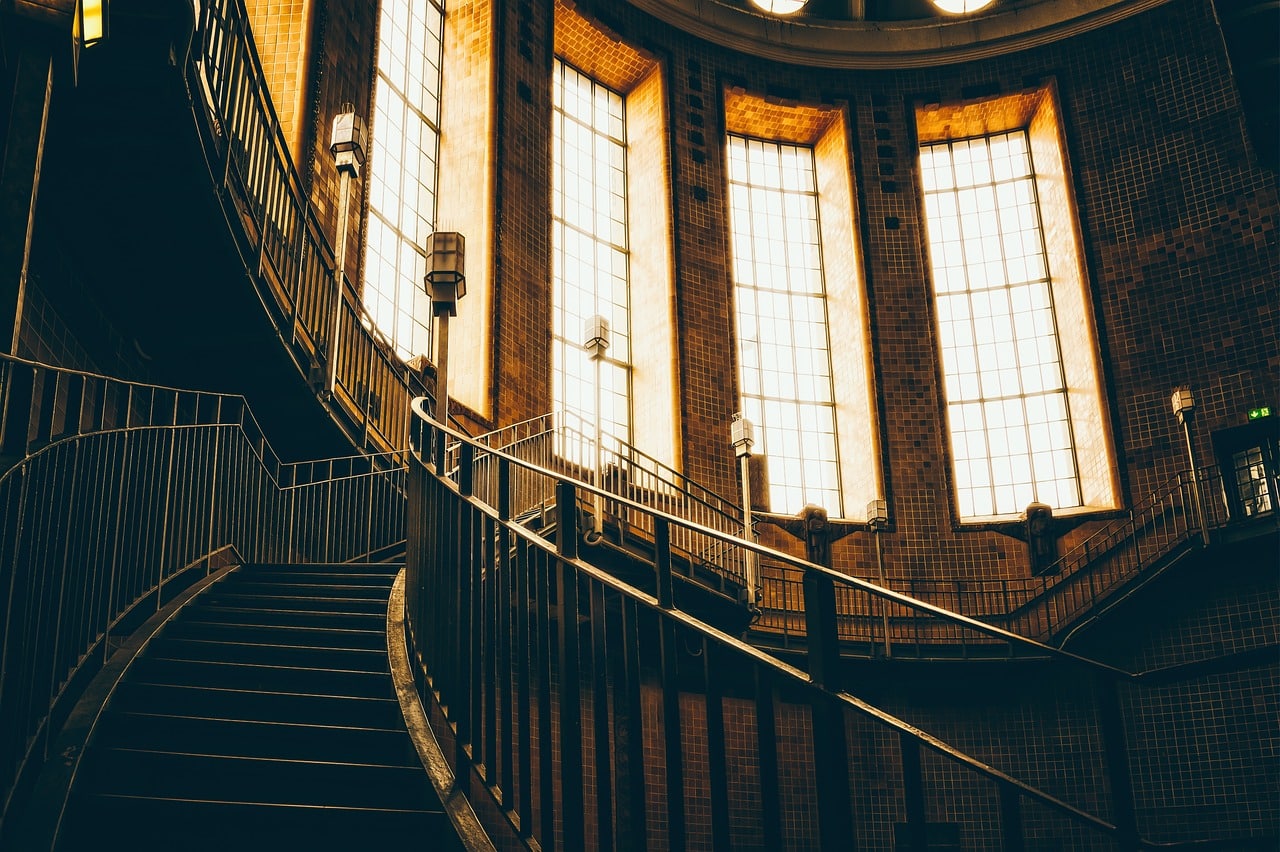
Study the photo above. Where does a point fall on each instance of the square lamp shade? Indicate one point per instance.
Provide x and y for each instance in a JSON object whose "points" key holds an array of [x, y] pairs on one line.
{"points": [[446, 271], [596, 332], [742, 434], [878, 511], [348, 136], [89, 26], [1182, 401]]}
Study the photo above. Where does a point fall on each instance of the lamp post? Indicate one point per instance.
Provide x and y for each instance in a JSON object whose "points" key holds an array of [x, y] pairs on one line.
{"points": [[596, 334], [446, 284], [1183, 403], [347, 144], [877, 519], [742, 435]]}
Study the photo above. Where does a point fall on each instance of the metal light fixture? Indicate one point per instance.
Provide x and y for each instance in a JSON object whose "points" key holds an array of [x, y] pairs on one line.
{"points": [[347, 140], [742, 436], [595, 333], [346, 143], [446, 272], [89, 26], [1183, 403], [446, 283], [877, 520]]}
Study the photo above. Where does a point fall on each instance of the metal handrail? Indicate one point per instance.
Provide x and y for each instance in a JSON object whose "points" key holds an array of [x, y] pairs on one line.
{"points": [[484, 599], [280, 238], [115, 497]]}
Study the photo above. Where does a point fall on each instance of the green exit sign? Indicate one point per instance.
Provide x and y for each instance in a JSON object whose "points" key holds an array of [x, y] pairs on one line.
{"points": [[1259, 413]]}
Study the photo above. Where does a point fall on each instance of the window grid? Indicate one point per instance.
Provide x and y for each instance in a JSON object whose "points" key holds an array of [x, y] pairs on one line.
{"points": [[1251, 481], [590, 254], [402, 172], [784, 360], [1006, 393]]}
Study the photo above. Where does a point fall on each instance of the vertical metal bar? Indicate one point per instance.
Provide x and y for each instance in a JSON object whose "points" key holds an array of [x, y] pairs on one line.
{"points": [[1116, 754], [17, 410], [526, 659], [913, 793], [509, 642], [662, 562], [629, 734], [673, 752], [717, 764], [566, 519], [570, 707], [767, 751], [546, 781], [600, 716], [1011, 819]]}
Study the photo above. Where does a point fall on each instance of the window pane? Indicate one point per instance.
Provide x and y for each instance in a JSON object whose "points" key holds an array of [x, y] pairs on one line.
{"points": [[1006, 396], [783, 345], [402, 172], [590, 260]]}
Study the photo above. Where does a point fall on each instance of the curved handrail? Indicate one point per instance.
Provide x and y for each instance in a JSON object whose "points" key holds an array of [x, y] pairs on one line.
{"points": [[116, 496], [455, 573]]}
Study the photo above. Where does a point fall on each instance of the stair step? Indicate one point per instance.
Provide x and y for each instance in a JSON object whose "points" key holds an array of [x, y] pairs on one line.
{"points": [[136, 772], [286, 617], [192, 824], [389, 569], [258, 706], [314, 681], [217, 597], [253, 586], [205, 650], [278, 634], [159, 730], [304, 576]]}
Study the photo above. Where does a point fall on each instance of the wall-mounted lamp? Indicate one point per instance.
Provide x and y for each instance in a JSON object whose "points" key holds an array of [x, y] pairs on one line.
{"points": [[595, 337], [89, 26], [742, 436], [446, 283], [877, 520], [1183, 403], [346, 143]]}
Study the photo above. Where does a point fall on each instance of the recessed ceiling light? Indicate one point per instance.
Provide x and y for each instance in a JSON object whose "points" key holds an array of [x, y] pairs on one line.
{"points": [[780, 7], [962, 7]]}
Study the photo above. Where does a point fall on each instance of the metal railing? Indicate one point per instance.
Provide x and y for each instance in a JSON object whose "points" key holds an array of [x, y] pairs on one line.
{"points": [[564, 442], [559, 725], [114, 496], [280, 238], [1122, 552]]}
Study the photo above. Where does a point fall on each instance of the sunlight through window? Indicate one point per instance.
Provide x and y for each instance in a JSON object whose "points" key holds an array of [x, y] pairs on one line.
{"points": [[589, 244], [783, 352], [402, 172], [1011, 436]]}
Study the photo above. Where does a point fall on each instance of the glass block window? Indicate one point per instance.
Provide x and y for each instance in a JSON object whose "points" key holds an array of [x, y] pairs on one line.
{"points": [[589, 249], [1006, 397], [402, 172], [784, 361]]}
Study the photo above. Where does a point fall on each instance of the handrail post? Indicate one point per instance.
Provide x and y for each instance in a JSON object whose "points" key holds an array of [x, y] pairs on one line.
{"points": [[1183, 405], [830, 758], [1116, 755]]}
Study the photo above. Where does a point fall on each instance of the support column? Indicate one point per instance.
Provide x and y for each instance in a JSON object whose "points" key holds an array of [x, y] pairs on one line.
{"points": [[23, 152]]}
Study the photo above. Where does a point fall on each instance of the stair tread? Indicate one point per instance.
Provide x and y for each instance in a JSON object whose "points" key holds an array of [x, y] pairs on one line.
{"points": [[301, 806], [283, 723]]}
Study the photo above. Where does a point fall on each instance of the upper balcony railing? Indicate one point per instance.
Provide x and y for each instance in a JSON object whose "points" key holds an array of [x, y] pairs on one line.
{"points": [[115, 496], [565, 442], [281, 240]]}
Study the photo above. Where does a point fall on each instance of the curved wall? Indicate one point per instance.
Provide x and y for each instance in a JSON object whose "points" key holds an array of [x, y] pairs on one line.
{"points": [[1177, 222]]}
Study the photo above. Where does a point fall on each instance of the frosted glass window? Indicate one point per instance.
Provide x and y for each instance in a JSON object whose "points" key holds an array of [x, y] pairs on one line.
{"points": [[402, 172], [1006, 397], [784, 359], [590, 262]]}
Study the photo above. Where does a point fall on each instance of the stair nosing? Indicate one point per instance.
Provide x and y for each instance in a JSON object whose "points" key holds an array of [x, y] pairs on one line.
{"points": [[278, 723]]}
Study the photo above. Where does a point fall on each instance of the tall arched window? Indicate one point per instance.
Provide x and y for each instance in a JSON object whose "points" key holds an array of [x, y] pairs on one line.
{"points": [[402, 172]]}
